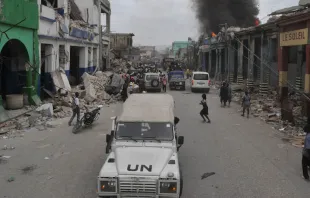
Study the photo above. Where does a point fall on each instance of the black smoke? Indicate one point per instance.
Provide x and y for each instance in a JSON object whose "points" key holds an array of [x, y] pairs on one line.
{"points": [[211, 13]]}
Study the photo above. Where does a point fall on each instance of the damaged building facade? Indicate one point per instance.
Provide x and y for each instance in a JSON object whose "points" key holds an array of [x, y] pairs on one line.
{"points": [[121, 43], [19, 57], [70, 38], [271, 55]]}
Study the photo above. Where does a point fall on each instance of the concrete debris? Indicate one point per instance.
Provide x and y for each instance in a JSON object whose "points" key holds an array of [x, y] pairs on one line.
{"points": [[286, 118], [97, 89], [46, 110], [120, 65]]}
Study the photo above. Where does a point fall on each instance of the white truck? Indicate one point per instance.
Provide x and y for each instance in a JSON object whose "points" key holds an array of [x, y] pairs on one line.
{"points": [[142, 151]]}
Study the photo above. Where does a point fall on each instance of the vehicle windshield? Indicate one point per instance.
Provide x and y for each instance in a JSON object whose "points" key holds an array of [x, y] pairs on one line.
{"points": [[151, 77], [144, 131], [177, 76], [201, 77]]}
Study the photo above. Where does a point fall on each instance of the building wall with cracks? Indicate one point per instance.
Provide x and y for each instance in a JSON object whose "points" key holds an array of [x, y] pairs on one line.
{"points": [[19, 59], [70, 36]]}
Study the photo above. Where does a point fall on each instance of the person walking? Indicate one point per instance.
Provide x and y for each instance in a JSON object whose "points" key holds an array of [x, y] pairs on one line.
{"points": [[224, 94], [205, 110], [75, 108], [229, 94], [246, 102], [124, 92], [305, 161], [164, 81]]}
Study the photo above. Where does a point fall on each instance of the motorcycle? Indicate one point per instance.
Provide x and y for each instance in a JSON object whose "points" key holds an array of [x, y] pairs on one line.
{"points": [[87, 119]]}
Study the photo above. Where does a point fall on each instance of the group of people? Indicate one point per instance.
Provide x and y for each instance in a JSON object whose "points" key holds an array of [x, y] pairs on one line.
{"points": [[226, 95]]}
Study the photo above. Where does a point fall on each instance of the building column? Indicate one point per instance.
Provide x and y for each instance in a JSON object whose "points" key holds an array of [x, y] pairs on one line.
{"points": [[210, 62], [108, 22], [298, 80], [91, 60], [216, 64], [231, 63], [250, 76], [226, 69], [283, 67], [219, 70], [67, 64], [264, 58], [83, 54], [240, 63], [307, 81], [204, 54]]}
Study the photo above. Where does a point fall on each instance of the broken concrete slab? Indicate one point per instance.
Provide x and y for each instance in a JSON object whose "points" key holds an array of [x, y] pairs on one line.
{"points": [[46, 109], [60, 81]]}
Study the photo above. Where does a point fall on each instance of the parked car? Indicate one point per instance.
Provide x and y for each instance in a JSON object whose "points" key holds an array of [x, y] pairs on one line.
{"points": [[200, 82], [152, 82]]}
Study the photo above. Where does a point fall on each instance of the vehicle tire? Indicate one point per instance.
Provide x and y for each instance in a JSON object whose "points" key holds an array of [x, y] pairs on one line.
{"points": [[155, 83], [207, 90], [181, 183]]}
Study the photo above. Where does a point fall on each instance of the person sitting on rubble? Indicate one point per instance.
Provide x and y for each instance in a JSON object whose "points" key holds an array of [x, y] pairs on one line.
{"points": [[305, 161], [75, 108]]}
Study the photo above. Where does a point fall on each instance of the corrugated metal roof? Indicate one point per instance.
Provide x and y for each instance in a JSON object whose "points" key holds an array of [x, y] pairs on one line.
{"points": [[304, 2], [288, 10], [148, 107]]}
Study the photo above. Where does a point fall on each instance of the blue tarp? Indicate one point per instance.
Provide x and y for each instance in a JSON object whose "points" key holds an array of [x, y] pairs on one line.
{"points": [[75, 32]]}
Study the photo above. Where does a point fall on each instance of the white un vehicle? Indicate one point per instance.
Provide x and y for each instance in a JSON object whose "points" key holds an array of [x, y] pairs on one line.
{"points": [[143, 151]]}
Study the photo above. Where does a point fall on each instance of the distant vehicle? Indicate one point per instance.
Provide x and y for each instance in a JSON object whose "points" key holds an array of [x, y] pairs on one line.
{"points": [[176, 80], [200, 82], [152, 82], [143, 150]]}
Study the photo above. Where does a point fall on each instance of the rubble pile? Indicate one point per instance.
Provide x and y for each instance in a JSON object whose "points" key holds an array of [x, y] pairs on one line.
{"points": [[120, 65], [288, 119]]}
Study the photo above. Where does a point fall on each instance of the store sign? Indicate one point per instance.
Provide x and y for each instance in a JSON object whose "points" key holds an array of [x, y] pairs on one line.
{"points": [[297, 37]]}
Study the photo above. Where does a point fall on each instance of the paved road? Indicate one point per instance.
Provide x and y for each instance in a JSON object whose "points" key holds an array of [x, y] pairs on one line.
{"points": [[247, 156]]}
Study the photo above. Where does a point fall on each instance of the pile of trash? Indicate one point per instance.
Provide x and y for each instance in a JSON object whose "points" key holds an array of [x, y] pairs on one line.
{"points": [[288, 119]]}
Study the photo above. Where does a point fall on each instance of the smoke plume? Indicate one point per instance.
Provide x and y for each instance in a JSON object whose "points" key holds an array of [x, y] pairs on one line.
{"points": [[211, 13]]}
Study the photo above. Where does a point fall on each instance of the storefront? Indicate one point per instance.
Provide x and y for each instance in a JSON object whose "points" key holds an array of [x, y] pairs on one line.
{"points": [[294, 34]]}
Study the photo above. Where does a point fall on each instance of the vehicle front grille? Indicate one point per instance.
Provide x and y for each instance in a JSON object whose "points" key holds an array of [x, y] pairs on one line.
{"points": [[137, 186]]}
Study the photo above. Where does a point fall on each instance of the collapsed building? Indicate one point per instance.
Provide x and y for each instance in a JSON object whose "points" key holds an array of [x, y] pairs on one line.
{"points": [[71, 38]]}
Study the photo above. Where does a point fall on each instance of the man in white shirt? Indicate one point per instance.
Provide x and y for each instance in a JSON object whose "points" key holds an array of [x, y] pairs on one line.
{"points": [[75, 108]]}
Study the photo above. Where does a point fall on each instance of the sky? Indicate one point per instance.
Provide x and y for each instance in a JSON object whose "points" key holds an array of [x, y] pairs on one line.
{"points": [[159, 24]]}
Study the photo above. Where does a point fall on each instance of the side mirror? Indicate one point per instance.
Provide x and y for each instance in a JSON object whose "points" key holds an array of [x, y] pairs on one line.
{"points": [[181, 140], [108, 138], [176, 120]]}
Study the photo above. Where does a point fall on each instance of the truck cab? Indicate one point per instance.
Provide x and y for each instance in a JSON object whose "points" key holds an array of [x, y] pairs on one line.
{"points": [[143, 150]]}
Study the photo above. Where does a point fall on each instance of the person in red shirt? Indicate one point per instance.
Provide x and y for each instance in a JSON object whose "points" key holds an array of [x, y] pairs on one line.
{"points": [[164, 81]]}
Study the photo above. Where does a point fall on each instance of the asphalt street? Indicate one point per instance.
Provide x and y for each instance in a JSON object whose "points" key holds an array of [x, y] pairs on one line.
{"points": [[247, 156]]}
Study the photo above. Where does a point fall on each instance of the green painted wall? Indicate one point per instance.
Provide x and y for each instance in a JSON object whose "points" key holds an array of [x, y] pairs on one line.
{"points": [[178, 45], [13, 12]]}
